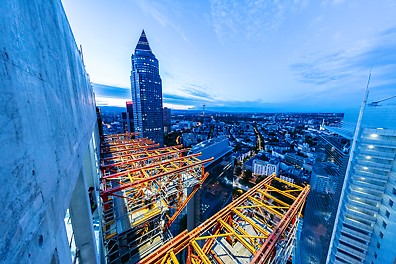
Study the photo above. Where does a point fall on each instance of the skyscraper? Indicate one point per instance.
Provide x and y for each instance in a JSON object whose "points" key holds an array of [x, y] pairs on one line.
{"points": [[326, 184], [366, 219], [146, 86], [167, 119]]}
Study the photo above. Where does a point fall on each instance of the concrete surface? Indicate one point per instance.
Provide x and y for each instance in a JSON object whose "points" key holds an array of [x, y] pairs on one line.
{"points": [[47, 116]]}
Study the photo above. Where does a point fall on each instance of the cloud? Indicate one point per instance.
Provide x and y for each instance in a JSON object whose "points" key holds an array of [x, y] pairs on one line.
{"points": [[158, 11], [250, 19], [197, 91], [338, 68], [109, 91]]}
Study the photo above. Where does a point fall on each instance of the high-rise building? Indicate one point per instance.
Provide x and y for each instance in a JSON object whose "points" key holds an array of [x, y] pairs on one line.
{"points": [[129, 117], [366, 219], [326, 182], [146, 86], [167, 120]]}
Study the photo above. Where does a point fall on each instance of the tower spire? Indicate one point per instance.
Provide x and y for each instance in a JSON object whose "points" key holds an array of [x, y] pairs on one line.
{"points": [[143, 43]]}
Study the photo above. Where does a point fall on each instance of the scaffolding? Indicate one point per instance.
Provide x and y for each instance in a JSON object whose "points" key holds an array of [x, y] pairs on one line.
{"points": [[258, 227], [144, 189]]}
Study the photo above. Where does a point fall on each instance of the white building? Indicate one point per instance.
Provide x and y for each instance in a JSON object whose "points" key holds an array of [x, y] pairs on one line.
{"points": [[266, 168], [365, 225]]}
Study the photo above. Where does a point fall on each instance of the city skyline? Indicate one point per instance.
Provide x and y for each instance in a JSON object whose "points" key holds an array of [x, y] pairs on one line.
{"points": [[294, 56]]}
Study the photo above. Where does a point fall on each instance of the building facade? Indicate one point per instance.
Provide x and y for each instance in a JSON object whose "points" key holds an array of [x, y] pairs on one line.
{"points": [[167, 120], [265, 168], [326, 184], [146, 87], [49, 139], [366, 219], [129, 124]]}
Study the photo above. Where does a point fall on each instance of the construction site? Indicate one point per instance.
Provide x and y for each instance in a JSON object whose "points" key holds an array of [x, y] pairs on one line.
{"points": [[145, 189]]}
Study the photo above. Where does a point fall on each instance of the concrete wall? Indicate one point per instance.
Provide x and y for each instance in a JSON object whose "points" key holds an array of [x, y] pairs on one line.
{"points": [[47, 116]]}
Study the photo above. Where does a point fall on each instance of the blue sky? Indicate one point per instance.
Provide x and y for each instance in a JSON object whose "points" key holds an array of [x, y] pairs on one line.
{"points": [[269, 55]]}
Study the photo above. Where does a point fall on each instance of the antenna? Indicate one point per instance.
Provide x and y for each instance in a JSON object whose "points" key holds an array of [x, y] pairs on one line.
{"points": [[376, 103], [203, 110]]}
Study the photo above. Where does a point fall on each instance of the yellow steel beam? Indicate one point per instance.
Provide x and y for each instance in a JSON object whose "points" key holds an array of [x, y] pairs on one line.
{"points": [[213, 236], [173, 257], [251, 222], [240, 239], [288, 195], [200, 253], [265, 194], [266, 206], [289, 183]]}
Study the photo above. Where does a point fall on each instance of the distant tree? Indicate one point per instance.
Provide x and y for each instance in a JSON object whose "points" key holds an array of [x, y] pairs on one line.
{"points": [[238, 171]]}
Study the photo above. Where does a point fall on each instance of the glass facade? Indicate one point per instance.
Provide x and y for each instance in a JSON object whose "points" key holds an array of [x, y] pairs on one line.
{"points": [[326, 184], [366, 221], [146, 87]]}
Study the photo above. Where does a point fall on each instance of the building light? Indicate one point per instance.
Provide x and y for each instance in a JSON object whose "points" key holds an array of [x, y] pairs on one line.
{"points": [[374, 135], [368, 157], [370, 146], [365, 168]]}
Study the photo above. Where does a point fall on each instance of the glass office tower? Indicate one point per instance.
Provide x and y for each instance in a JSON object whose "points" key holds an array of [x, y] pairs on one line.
{"points": [[146, 87], [327, 178], [366, 219]]}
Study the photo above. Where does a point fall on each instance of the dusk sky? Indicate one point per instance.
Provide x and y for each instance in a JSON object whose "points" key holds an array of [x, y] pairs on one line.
{"points": [[291, 55]]}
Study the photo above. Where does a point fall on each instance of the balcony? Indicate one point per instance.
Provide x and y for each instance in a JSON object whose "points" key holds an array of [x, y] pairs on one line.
{"points": [[370, 186], [358, 225], [357, 235], [362, 194]]}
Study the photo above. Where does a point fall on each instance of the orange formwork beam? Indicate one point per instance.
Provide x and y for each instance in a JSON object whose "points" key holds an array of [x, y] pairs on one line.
{"points": [[130, 144], [249, 227], [144, 189], [140, 175], [140, 159], [139, 152]]}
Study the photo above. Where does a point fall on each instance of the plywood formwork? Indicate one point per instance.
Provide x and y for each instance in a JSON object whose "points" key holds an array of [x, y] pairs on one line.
{"points": [[144, 189], [258, 227]]}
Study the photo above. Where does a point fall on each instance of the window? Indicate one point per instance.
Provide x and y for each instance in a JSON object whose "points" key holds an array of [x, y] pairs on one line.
{"points": [[381, 234], [390, 203], [394, 191], [383, 224], [387, 214], [375, 255], [378, 245]]}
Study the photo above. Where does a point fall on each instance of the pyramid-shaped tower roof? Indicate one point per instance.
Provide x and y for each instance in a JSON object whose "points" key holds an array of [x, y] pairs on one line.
{"points": [[143, 43]]}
